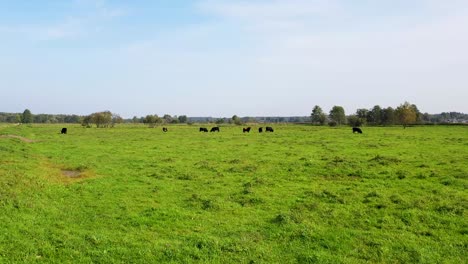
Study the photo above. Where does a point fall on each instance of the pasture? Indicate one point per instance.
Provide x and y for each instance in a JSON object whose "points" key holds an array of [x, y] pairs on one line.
{"points": [[302, 194]]}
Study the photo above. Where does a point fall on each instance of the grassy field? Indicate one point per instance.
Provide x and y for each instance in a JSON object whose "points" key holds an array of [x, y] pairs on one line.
{"points": [[302, 194]]}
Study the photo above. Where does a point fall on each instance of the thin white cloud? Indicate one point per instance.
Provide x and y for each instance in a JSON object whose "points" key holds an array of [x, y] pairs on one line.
{"points": [[278, 9], [68, 29], [49, 32], [275, 16], [102, 8], [72, 25]]}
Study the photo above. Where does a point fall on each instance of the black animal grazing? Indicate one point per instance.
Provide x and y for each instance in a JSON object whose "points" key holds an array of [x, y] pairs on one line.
{"points": [[203, 129], [357, 129], [246, 130], [63, 131], [164, 129], [268, 129], [260, 130], [213, 129]]}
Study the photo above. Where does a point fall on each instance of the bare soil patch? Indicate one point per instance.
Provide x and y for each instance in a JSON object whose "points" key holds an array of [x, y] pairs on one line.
{"points": [[71, 173], [27, 140]]}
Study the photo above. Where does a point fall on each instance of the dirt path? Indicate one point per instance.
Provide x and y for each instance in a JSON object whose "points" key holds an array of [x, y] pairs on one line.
{"points": [[27, 140]]}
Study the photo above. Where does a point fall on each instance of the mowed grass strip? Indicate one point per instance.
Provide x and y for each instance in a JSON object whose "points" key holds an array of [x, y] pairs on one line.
{"points": [[301, 194]]}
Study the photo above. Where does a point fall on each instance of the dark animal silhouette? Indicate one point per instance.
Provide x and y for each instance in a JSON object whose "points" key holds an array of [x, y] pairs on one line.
{"points": [[213, 129], [268, 129], [63, 131], [203, 129], [164, 129], [357, 129], [260, 130], [246, 130]]}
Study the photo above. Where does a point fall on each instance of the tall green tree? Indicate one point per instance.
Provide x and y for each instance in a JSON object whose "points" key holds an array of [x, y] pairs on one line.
{"points": [[419, 115], [362, 115], [236, 120], [167, 118], [318, 116], [183, 119], [375, 115], [101, 119], [406, 114], [337, 114], [27, 117], [388, 116], [358, 119], [152, 120]]}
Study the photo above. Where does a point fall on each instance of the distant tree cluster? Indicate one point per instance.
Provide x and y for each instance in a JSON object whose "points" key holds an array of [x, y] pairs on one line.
{"points": [[236, 120], [405, 114], [10, 118], [102, 119], [28, 117], [446, 118], [152, 120]]}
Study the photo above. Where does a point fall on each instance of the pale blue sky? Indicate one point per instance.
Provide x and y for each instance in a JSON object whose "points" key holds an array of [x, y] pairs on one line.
{"points": [[223, 57]]}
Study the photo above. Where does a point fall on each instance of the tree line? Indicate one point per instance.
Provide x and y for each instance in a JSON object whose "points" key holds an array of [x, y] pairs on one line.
{"points": [[28, 117], [99, 119], [404, 114]]}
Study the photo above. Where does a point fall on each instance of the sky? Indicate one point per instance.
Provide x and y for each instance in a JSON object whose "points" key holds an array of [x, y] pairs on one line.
{"points": [[232, 57]]}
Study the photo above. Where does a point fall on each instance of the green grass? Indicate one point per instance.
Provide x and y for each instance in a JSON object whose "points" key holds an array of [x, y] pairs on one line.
{"points": [[299, 195]]}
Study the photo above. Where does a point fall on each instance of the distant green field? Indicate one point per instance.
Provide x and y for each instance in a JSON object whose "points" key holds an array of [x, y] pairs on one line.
{"points": [[302, 194]]}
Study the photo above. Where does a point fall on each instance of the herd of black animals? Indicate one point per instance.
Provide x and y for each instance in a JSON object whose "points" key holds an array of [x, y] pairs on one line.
{"points": [[244, 129], [216, 129]]}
